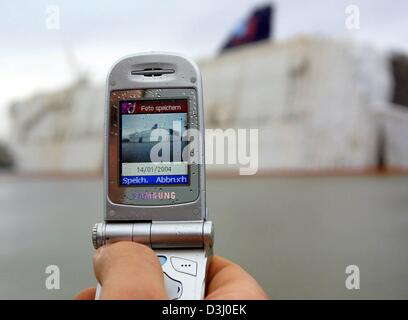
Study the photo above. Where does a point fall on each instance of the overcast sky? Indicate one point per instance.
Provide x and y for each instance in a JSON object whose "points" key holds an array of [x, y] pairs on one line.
{"points": [[34, 58]]}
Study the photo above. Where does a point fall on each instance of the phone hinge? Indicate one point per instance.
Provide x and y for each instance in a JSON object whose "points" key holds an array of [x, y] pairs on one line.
{"points": [[156, 234]]}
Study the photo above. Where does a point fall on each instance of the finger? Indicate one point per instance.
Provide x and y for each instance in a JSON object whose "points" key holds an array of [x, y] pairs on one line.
{"points": [[128, 270], [228, 281], [86, 294]]}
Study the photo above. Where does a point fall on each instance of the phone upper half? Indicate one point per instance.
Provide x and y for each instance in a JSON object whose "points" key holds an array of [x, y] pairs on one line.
{"points": [[154, 150]]}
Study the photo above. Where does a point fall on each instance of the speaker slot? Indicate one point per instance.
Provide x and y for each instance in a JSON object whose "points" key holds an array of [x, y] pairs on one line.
{"points": [[151, 72]]}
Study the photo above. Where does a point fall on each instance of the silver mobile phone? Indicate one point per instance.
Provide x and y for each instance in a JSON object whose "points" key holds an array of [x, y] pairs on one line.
{"points": [[154, 170]]}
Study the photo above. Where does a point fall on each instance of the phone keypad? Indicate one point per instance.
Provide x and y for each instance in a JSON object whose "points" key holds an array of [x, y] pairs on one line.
{"points": [[175, 271]]}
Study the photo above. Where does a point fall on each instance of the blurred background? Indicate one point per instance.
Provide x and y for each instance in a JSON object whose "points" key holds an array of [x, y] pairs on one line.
{"points": [[325, 83]]}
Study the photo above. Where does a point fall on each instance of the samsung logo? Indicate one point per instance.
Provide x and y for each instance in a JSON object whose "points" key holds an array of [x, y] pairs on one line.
{"points": [[160, 195]]}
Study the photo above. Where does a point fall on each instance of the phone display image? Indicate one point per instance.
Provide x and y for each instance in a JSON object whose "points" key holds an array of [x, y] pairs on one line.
{"points": [[152, 140]]}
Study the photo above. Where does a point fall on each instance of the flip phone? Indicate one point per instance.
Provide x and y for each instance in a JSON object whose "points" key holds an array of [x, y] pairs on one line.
{"points": [[154, 171]]}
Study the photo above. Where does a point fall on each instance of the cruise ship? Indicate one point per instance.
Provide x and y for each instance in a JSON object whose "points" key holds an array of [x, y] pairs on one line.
{"points": [[318, 103]]}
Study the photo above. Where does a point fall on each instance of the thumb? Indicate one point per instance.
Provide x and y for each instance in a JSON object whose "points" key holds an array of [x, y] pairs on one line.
{"points": [[128, 270]]}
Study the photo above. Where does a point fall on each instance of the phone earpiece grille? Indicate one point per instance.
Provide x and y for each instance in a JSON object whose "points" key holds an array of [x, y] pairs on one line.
{"points": [[151, 72]]}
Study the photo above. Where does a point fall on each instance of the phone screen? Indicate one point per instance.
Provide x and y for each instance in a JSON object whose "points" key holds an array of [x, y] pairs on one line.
{"points": [[152, 142]]}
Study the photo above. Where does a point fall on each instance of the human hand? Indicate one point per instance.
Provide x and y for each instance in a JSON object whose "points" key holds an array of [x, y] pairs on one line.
{"points": [[129, 270]]}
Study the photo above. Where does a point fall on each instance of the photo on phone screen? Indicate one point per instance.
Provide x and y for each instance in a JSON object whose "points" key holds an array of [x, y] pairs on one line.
{"points": [[144, 124]]}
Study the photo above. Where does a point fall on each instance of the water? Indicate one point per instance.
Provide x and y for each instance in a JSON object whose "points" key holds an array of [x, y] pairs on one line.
{"points": [[295, 235]]}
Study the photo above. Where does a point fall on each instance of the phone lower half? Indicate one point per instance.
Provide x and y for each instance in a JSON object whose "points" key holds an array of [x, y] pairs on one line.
{"points": [[184, 272]]}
